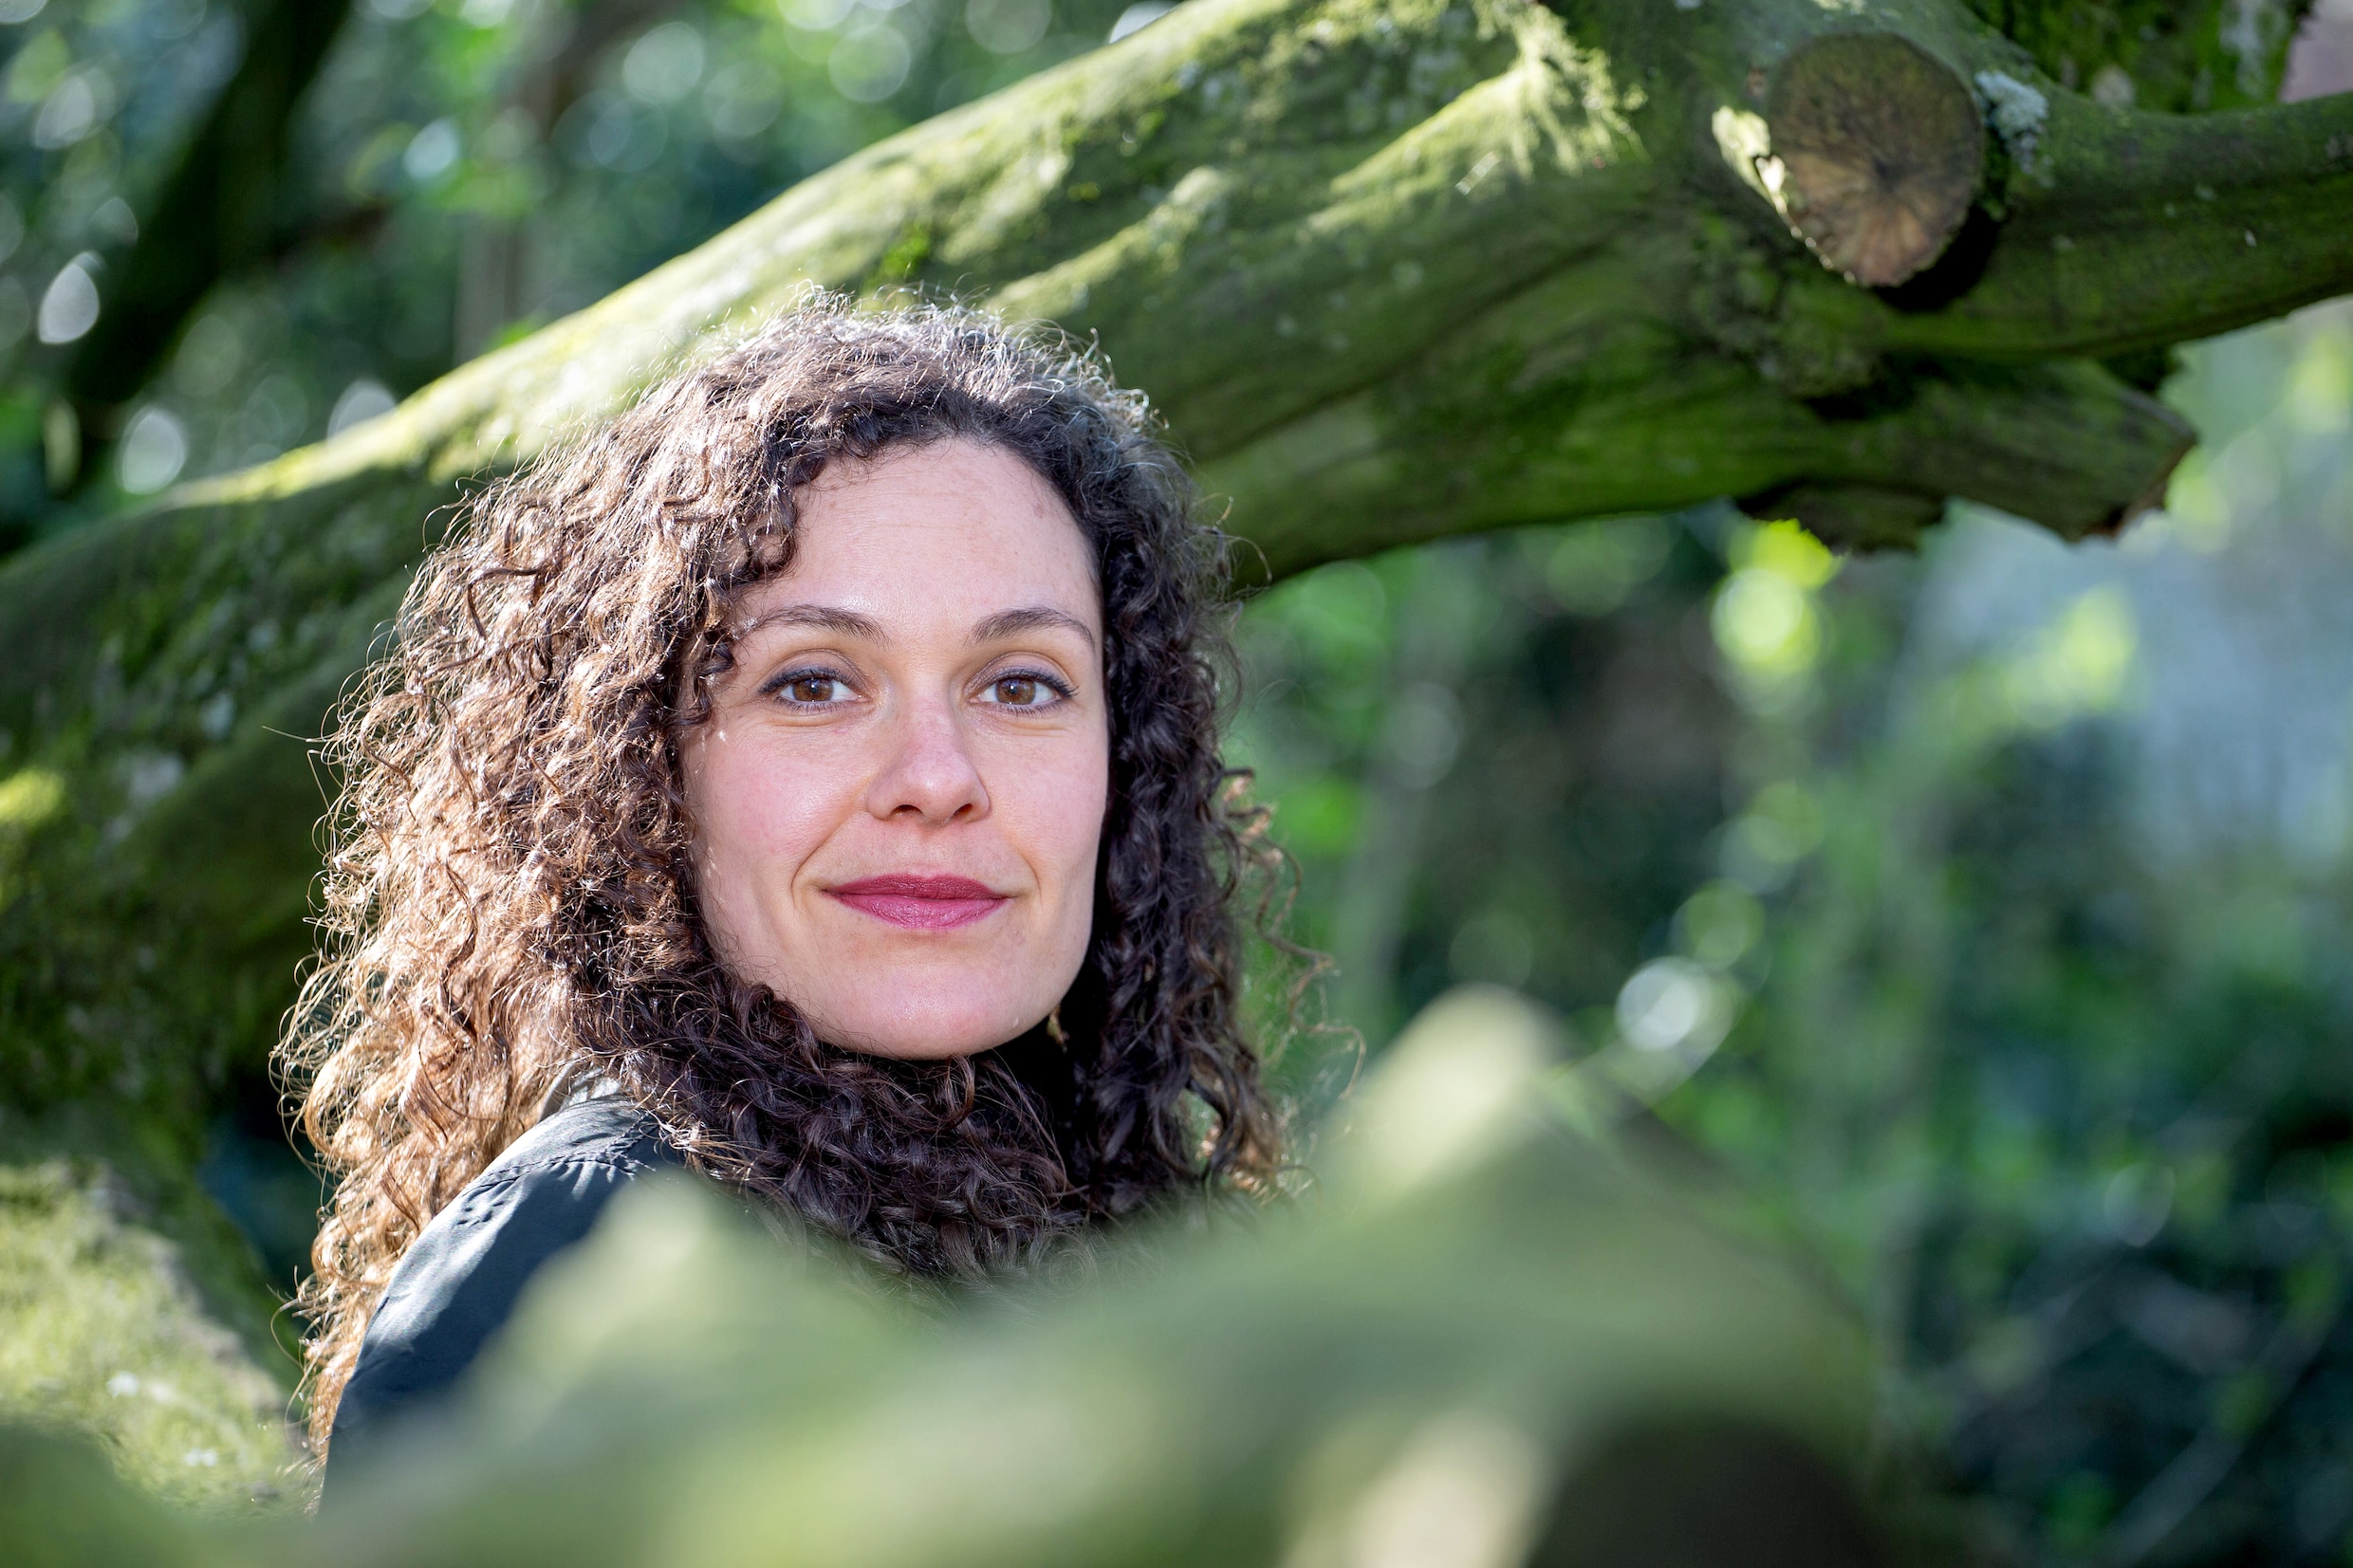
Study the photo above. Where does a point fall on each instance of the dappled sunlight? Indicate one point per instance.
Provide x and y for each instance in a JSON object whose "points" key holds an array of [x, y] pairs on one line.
{"points": [[2077, 667], [28, 797], [1766, 618]]}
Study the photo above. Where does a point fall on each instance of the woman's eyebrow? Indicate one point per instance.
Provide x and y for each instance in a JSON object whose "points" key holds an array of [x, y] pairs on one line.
{"points": [[825, 617], [1006, 623]]}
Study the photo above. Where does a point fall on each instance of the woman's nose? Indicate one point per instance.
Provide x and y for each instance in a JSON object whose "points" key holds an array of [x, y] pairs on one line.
{"points": [[930, 773]]}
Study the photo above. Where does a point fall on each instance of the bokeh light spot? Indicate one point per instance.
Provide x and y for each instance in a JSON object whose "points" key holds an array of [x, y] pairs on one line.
{"points": [[154, 450], [1008, 26], [69, 307]]}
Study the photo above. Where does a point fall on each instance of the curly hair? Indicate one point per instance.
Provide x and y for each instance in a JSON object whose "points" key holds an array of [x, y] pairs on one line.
{"points": [[509, 900]]}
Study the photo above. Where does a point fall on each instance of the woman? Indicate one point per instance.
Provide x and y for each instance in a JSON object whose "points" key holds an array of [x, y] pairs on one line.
{"points": [[810, 778]]}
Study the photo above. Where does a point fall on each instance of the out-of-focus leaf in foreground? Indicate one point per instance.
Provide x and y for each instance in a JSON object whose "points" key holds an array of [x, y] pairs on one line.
{"points": [[1484, 1340]]}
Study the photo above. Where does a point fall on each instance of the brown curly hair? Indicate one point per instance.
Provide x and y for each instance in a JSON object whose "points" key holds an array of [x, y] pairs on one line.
{"points": [[509, 900]]}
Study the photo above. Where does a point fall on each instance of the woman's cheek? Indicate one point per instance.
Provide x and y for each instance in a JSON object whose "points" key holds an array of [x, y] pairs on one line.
{"points": [[761, 811], [1060, 809], [791, 798]]}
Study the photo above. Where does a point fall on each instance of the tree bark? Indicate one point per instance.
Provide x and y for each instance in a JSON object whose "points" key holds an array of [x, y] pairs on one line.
{"points": [[1391, 271]]}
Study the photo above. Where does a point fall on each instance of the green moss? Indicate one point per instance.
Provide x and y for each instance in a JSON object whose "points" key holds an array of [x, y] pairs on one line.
{"points": [[903, 261], [101, 1333]]}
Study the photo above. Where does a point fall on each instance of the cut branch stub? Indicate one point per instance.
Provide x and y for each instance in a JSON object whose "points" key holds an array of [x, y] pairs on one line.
{"points": [[1878, 149]]}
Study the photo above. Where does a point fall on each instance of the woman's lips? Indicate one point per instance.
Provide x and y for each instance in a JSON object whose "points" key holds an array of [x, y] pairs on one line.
{"points": [[920, 903]]}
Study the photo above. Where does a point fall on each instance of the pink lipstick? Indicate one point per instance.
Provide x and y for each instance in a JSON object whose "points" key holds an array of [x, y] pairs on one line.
{"points": [[920, 903]]}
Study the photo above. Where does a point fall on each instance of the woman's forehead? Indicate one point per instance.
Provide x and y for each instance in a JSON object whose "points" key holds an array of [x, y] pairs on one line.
{"points": [[941, 536]]}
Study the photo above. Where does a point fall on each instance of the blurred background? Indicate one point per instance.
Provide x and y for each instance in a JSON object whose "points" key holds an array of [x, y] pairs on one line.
{"points": [[1984, 913]]}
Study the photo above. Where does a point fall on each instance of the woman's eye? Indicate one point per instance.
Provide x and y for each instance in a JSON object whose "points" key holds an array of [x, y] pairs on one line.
{"points": [[813, 689], [1021, 691]]}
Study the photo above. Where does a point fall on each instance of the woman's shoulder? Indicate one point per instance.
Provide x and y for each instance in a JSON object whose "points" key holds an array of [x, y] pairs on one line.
{"points": [[459, 1282], [608, 1132]]}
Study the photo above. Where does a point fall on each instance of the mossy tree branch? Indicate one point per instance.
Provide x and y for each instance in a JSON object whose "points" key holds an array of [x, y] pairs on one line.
{"points": [[1391, 268], [2131, 231]]}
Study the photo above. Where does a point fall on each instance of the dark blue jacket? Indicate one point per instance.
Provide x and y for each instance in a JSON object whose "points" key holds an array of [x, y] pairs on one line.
{"points": [[459, 1282]]}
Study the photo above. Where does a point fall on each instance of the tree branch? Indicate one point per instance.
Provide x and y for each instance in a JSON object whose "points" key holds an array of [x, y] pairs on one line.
{"points": [[2147, 229]]}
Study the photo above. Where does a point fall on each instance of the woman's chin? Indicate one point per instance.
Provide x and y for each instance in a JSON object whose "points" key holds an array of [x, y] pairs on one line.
{"points": [[924, 1034]]}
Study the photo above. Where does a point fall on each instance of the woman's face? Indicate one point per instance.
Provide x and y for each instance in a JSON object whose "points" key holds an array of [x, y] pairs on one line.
{"points": [[901, 788]]}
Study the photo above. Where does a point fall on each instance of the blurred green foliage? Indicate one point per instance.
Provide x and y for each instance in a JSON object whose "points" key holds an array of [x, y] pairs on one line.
{"points": [[1490, 1341], [86, 1295], [461, 172], [2180, 55], [1986, 910]]}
